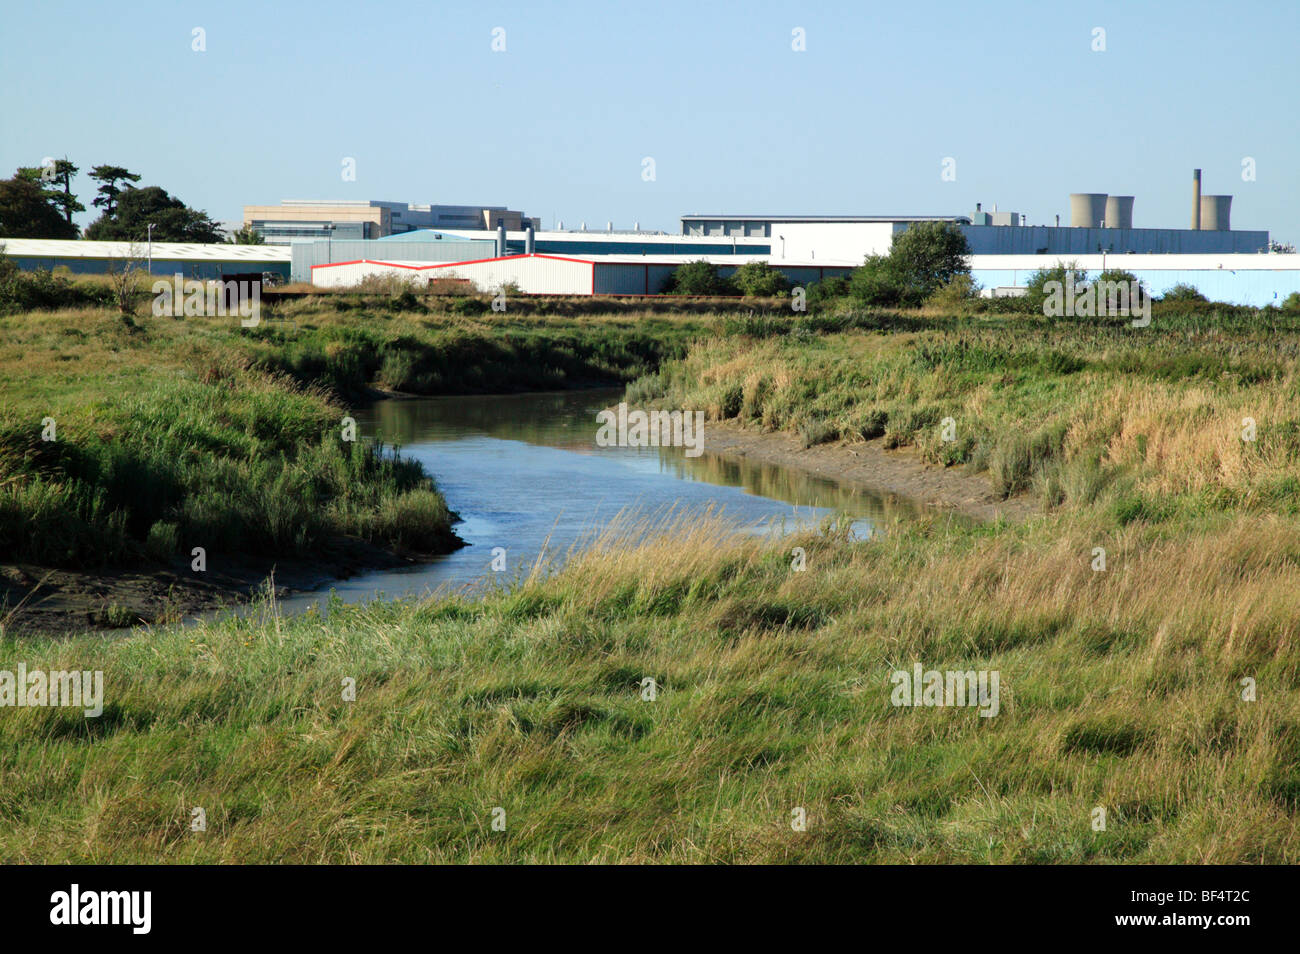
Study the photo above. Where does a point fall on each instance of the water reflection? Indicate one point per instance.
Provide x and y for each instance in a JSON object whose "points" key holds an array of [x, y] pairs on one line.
{"points": [[525, 474]]}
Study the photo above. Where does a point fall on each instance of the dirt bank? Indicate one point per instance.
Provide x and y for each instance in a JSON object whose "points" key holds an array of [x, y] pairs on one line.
{"points": [[872, 467], [42, 600]]}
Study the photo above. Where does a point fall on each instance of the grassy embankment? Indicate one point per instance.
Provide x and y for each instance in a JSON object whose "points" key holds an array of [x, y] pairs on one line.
{"points": [[196, 432], [1120, 688]]}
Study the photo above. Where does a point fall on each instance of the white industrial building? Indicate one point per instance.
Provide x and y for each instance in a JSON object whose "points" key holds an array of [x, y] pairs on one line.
{"points": [[1244, 279], [541, 274], [190, 259]]}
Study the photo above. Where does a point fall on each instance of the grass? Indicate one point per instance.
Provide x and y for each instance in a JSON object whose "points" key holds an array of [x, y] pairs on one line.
{"points": [[198, 432], [773, 693], [1127, 688], [118, 448], [1081, 416]]}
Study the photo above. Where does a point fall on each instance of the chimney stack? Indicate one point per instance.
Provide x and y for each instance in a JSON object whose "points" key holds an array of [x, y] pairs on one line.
{"points": [[1196, 199]]}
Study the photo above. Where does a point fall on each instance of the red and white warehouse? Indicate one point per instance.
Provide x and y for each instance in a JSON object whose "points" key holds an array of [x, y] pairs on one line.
{"points": [[560, 275]]}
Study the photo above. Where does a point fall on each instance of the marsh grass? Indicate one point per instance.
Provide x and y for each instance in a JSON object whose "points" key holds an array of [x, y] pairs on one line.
{"points": [[1121, 688], [773, 692]]}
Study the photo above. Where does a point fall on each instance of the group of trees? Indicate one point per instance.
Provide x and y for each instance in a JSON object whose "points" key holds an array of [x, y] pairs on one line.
{"points": [[38, 202], [703, 278]]}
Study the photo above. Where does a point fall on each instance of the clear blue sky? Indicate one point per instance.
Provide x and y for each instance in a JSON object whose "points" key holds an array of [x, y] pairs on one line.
{"points": [[735, 120]]}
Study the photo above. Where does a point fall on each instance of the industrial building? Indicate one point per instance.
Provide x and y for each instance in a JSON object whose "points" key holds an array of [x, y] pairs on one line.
{"points": [[430, 245], [1243, 279], [189, 259], [295, 219], [424, 245], [542, 274]]}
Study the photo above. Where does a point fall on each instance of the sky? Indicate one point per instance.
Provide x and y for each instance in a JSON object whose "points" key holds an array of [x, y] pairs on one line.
{"points": [[561, 121]]}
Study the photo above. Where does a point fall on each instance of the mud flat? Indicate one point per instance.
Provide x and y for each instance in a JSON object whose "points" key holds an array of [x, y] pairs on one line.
{"points": [[871, 466]]}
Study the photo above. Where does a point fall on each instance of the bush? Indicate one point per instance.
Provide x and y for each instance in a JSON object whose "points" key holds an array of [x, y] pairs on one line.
{"points": [[698, 278], [828, 290], [1184, 294], [875, 283], [43, 289], [1036, 295], [1291, 304], [760, 280], [955, 294]]}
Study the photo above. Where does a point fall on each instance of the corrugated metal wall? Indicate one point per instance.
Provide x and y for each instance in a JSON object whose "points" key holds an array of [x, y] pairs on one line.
{"points": [[1042, 239], [307, 254], [533, 275], [162, 268]]}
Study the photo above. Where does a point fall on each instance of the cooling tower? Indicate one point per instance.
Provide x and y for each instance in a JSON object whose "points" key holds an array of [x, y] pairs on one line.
{"points": [[1119, 212], [1087, 209], [1216, 213]]}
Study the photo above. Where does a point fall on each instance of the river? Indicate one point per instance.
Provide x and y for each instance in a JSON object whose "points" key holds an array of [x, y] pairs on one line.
{"points": [[525, 474]]}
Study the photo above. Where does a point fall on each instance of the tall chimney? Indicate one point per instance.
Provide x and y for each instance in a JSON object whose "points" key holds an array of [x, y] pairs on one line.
{"points": [[1196, 199], [501, 240], [530, 241]]}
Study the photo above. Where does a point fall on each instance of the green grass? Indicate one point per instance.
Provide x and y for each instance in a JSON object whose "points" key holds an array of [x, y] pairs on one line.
{"points": [[199, 432], [773, 694], [1080, 416], [1121, 688]]}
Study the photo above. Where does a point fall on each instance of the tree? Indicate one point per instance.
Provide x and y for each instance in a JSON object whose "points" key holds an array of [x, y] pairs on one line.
{"points": [[699, 278], [760, 279], [247, 236], [109, 177], [25, 212], [172, 219], [922, 259], [60, 173], [927, 256]]}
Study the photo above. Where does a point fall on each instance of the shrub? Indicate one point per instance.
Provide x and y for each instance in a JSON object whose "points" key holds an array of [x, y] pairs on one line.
{"points": [[1184, 294], [957, 293], [875, 283], [828, 290], [1036, 294], [698, 278], [758, 279]]}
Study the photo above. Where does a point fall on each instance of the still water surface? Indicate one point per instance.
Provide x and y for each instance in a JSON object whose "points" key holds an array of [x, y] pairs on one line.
{"points": [[524, 473]]}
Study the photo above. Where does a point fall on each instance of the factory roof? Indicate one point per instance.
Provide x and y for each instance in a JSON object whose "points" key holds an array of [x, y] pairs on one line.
{"points": [[746, 217]]}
